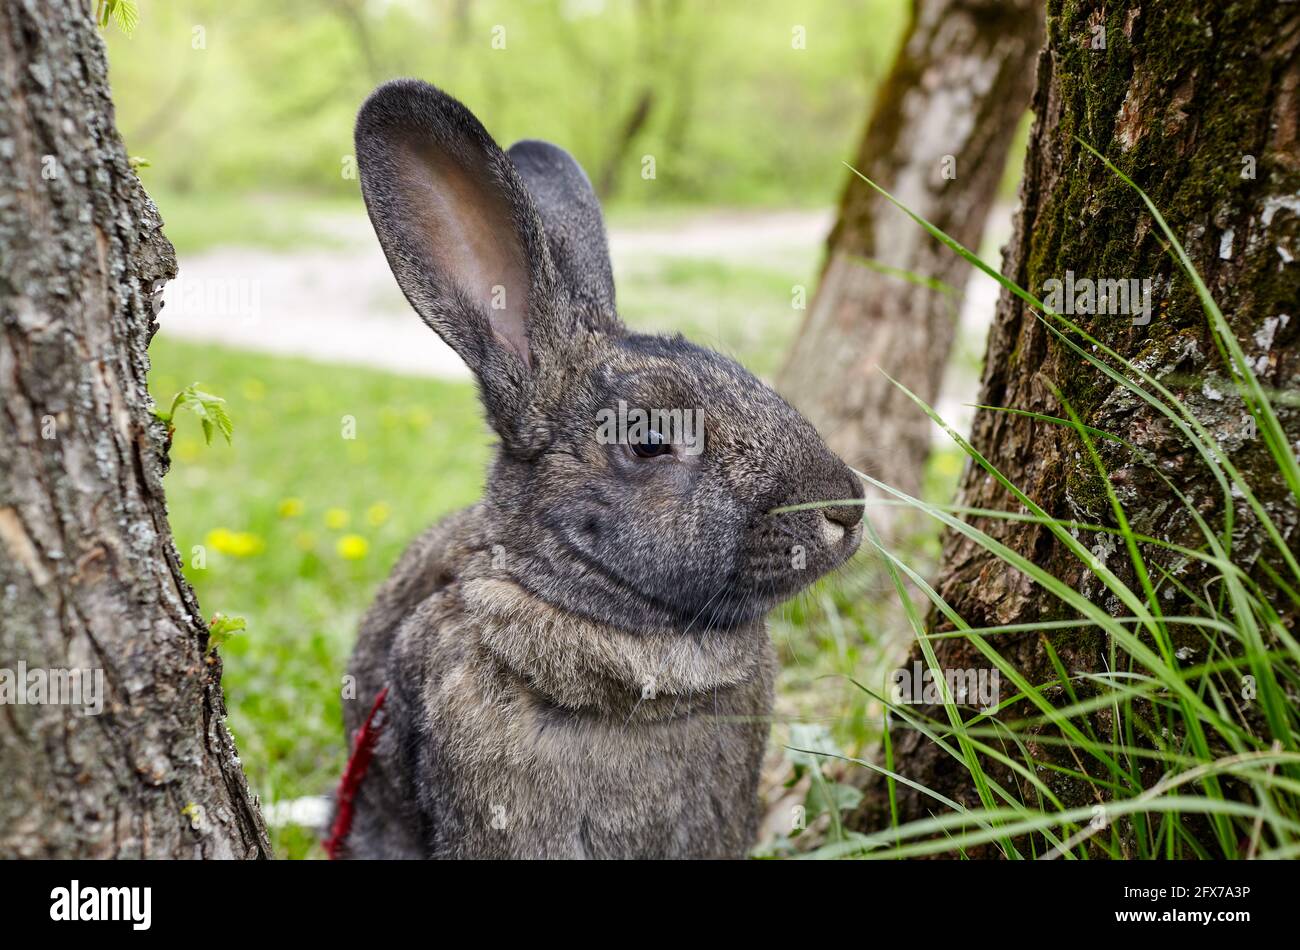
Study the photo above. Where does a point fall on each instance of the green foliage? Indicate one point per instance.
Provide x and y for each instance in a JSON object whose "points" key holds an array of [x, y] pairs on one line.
{"points": [[810, 744], [737, 308], [210, 409], [221, 628], [200, 220], [736, 115], [125, 13]]}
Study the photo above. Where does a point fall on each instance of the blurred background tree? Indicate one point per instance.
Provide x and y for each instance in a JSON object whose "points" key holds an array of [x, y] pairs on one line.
{"points": [[889, 298], [733, 109]]}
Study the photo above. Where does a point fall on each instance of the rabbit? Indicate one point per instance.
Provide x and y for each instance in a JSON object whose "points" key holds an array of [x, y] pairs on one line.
{"points": [[578, 665]]}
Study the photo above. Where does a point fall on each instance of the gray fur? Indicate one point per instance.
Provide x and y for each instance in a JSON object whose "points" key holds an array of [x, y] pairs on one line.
{"points": [[578, 665], [575, 228]]}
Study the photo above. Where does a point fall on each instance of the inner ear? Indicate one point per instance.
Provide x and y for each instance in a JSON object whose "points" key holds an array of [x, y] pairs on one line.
{"points": [[469, 236]]}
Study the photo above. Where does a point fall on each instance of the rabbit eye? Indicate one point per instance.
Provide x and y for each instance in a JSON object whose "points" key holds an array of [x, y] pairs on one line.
{"points": [[653, 446]]}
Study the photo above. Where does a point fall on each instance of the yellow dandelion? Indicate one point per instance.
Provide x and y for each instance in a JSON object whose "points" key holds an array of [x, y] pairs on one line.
{"points": [[305, 540], [290, 508], [235, 543], [336, 519], [378, 513], [352, 547], [219, 538]]}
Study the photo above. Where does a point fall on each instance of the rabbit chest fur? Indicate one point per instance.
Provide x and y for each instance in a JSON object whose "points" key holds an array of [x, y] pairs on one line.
{"points": [[517, 731]]}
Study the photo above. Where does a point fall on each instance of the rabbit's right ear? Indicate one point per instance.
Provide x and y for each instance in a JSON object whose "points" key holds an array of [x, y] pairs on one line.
{"points": [[574, 226], [463, 239]]}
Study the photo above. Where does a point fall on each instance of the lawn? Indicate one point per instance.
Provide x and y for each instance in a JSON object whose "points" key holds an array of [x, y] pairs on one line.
{"points": [[738, 309], [295, 524]]}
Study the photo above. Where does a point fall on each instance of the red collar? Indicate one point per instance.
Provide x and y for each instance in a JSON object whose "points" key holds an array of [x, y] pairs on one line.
{"points": [[358, 764]]}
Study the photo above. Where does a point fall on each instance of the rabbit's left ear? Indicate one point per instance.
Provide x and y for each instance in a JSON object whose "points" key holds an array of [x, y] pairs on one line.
{"points": [[461, 235]]}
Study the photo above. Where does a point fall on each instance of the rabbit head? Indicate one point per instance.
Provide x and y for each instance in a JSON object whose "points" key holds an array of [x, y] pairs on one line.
{"points": [[636, 475]]}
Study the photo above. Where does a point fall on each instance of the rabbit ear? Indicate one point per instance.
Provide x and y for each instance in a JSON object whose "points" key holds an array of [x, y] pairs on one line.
{"points": [[461, 235], [574, 226]]}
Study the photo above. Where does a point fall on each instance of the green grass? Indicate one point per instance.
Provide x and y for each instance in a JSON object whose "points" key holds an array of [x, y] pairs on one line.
{"points": [[299, 525], [734, 308], [1230, 757], [197, 221]]}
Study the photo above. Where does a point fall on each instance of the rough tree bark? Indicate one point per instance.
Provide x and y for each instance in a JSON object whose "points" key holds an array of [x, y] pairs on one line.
{"points": [[950, 107], [89, 575], [1199, 102]]}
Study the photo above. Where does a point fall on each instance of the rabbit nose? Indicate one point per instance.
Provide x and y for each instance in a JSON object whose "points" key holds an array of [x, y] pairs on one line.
{"points": [[846, 516]]}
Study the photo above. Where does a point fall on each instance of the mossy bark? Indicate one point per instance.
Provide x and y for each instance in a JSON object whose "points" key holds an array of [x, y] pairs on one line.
{"points": [[1199, 102], [90, 578], [937, 137]]}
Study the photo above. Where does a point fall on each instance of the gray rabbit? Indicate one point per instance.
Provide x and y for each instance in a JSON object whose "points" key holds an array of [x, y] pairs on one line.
{"points": [[577, 666]]}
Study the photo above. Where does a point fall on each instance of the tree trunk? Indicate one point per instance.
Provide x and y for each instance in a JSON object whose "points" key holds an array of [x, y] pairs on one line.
{"points": [[1199, 102], [89, 574], [937, 138]]}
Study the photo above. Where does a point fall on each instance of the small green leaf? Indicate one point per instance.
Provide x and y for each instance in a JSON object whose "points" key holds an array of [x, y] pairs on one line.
{"points": [[210, 409], [222, 628], [809, 744], [822, 796], [217, 407], [127, 15]]}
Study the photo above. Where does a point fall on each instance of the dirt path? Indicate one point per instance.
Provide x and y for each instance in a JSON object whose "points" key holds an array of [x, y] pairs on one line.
{"points": [[341, 305]]}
